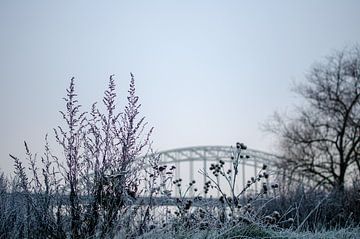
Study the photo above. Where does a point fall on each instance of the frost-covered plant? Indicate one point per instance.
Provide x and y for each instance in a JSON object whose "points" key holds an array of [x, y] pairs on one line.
{"points": [[35, 197], [235, 205], [232, 208], [88, 190], [69, 139]]}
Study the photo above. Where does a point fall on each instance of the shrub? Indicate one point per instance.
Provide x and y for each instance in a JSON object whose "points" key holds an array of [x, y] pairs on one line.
{"points": [[86, 191]]}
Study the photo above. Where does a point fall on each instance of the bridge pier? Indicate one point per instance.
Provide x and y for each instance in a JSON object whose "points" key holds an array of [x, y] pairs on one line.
{"points": [[205, 170], [177, 176], [255, 174], [243, 173], [191, 165]]}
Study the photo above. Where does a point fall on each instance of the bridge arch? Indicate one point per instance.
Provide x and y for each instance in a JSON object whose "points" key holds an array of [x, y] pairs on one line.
{"points": [[209, 154]]}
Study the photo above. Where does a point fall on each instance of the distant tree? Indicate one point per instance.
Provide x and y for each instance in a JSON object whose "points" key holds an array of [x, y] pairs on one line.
{"points": [[322, 141]]}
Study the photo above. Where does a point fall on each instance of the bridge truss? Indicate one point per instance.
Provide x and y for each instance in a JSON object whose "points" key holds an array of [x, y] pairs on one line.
{"points": [[210, 154]]}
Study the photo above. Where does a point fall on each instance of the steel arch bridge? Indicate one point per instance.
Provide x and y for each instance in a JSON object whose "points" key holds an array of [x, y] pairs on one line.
{"points": [[205, 155]]}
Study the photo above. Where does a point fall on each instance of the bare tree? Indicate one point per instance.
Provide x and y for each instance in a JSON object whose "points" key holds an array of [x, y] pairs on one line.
{"points": [[322, 141]]}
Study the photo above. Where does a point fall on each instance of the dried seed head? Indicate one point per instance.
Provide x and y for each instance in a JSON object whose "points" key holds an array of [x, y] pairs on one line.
{"points": [[162, 168], [221, 199], [265, 188], [269, 220], [276, 215]]}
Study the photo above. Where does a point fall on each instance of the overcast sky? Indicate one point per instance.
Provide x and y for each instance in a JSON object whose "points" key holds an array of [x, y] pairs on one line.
{"points": [[207, 72]]}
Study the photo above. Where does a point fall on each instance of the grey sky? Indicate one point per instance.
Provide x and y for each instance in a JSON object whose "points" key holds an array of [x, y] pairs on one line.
{"points": [[207, 72]]}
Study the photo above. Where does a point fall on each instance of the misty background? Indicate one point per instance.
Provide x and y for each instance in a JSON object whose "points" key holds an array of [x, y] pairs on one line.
{"points": [[207, 72]]}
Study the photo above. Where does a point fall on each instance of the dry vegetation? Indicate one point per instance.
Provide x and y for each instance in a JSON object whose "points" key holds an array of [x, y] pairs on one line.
{"points": [[100, 188]]}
